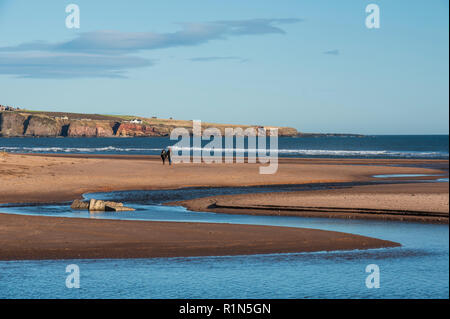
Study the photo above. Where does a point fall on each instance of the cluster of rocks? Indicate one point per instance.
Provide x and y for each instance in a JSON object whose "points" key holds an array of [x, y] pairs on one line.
{"points": [[99, 206]]}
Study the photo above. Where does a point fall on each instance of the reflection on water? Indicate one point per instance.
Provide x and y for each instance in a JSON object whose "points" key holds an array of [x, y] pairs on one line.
{"points": [[311, 275], [418, 269], [404, 175]]}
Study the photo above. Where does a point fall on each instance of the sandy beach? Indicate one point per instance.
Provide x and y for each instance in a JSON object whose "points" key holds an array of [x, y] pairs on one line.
{"points": [[57, 178], [36, 237]]}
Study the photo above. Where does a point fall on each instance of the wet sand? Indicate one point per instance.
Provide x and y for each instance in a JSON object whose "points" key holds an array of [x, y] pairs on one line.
{"points": [[37, 237], [418, 202], [56, 178]]}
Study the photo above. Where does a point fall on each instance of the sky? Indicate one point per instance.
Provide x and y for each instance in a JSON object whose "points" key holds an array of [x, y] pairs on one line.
{"points": [[312, 65]]}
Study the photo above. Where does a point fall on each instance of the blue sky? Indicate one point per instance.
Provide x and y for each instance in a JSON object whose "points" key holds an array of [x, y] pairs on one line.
{"points": [[311, 64]]}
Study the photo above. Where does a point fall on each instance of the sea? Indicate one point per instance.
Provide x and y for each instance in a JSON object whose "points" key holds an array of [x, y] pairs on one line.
{"points": [[373, 146]]}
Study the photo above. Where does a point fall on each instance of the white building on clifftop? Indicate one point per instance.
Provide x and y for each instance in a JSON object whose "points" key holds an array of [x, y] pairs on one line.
{"points": [[7, 108]]}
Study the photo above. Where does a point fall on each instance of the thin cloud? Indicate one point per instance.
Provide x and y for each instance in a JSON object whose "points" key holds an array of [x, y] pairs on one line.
{"points": [[65, 65], [107, 53], [191, 34], [332, 52]]}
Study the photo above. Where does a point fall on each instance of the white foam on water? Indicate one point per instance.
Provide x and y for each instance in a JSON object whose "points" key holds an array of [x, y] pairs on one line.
{"points": [[299, 152]]}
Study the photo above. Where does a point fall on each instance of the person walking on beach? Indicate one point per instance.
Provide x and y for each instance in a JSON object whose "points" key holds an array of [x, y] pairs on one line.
{"points": [[163, 156], [169, 156]]}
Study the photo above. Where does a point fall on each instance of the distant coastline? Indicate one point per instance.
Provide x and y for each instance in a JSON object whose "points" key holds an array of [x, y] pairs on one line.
{"points": [[302, 134], [26, 123]]}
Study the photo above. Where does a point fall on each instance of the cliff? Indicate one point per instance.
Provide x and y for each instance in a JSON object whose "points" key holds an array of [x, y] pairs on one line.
{"points": [[12, 124], [138, 130], [86, 128], [22, 123], [47, 124], [42, 126]]}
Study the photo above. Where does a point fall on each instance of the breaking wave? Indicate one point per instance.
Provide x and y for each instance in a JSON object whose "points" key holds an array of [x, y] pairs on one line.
{"points": [[281, 152]]}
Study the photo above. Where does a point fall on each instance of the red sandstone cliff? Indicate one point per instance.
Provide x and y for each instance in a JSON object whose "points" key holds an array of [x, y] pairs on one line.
{"points": [[135, 130]]}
